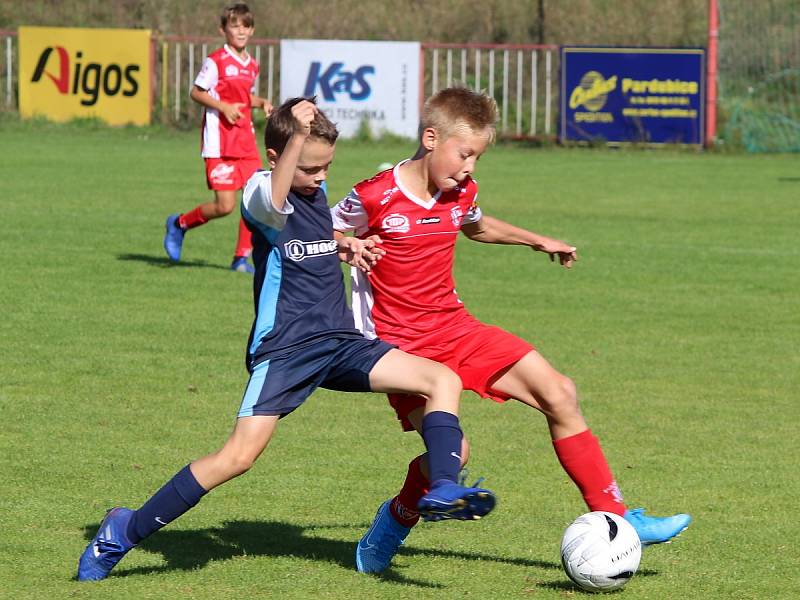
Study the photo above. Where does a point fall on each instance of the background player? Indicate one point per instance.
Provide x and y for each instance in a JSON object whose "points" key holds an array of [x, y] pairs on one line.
{"points": [[303, 337], [225, 87], [409, 299]]}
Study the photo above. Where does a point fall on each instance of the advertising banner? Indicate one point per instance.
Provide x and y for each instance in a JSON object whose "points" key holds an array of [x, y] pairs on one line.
{"points": [[633, 95], [66, 73], [356, 82]]}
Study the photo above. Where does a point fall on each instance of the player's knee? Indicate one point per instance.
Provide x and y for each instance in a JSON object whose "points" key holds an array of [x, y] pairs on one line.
{"points": [[450, 381], [564, 399], [224, 209], [240, 463]]}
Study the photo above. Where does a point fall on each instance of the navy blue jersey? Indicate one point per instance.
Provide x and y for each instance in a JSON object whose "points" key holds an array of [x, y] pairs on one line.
{"points": [[299, 289]]}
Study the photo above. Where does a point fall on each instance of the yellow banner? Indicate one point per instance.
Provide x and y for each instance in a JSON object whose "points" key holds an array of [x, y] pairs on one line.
{"points": [[67, 72]]}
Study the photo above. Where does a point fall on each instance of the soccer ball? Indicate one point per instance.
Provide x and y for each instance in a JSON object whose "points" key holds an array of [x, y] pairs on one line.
{"points": [[385, 165], [600, 551]]}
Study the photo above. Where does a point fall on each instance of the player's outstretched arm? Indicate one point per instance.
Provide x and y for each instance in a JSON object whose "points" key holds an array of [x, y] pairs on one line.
{"points": [[489, 230], [362, 254]]}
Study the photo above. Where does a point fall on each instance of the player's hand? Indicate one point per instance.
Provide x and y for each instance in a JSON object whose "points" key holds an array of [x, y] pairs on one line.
{"points": [[565, 253], [267, 107], [362, 254], [232, 112], [304, 113]]}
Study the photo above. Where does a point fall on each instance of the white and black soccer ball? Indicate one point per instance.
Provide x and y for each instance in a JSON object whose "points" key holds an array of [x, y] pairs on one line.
{"points": [[600, 551]]}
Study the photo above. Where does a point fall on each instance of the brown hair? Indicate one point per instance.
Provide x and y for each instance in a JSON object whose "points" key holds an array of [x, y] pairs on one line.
{"points": [[238, 12], [455, 107], [280, 126]]}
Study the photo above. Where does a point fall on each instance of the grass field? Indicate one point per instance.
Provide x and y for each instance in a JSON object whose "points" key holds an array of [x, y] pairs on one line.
{"points": [[680, 325]]}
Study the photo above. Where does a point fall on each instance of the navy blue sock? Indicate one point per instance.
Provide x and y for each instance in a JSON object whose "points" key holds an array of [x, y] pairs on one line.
{"points": [[442, 435], [178, 495]]}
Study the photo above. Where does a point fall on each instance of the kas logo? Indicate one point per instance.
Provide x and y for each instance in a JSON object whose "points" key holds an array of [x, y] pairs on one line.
{"points": [[396, 223], [298, 250], [231, 71], [334, 80], [89, 79]]}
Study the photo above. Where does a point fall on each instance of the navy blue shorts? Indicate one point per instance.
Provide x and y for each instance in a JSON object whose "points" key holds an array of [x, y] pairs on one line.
{"points": [[280, 384]]}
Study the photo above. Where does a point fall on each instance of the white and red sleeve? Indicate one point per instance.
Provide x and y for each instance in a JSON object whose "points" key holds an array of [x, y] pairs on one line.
{"points": [[473, 214], [350, 214], [208, 77]]}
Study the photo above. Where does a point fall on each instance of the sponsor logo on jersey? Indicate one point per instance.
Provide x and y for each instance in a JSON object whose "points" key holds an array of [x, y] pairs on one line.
{"points": [[335, 80], [231, 71], [222, 173], [456, 216], [298, 250], [428, 221], [396, 223], [387, 195]]}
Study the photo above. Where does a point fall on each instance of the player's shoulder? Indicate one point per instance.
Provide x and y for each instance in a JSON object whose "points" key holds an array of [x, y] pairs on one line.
{"points": [[218, 54], [376, 186]]}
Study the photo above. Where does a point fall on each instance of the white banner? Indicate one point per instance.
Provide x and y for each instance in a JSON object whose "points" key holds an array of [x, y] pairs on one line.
{"points": [[356, 81]]}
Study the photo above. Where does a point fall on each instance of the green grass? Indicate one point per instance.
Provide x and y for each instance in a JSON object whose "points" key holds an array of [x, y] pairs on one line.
{"points": [[679, 325]]}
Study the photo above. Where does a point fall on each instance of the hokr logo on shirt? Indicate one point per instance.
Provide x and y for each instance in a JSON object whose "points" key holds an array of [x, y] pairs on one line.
{"points": [[90, 79], [298, 250]]}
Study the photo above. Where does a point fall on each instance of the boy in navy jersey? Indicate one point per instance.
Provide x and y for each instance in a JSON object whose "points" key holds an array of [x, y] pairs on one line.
{"points": [[303, 337]]}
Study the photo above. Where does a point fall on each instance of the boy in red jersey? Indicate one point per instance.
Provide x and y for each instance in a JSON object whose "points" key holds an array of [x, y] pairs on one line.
{"points": [[409, 299], [224, 87]]}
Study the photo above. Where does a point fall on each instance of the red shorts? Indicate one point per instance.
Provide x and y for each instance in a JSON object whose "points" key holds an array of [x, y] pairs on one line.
{"points": [[478, 355], [230, 173]]}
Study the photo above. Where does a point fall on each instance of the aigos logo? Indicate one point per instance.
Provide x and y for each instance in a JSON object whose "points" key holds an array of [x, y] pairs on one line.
{"points": [[71, 76], [592, 91], [336, 80]]}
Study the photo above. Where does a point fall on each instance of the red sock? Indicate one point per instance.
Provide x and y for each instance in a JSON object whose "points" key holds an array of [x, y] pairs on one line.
{"points": [[193, 218], [404, 506], [244, 243], [583, 460]]}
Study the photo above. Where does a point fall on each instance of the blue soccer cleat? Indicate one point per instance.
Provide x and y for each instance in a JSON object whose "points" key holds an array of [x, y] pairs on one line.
{"points": [[109, 545], [173, 238], [449, 500], [240, 265], [379, 545], [656, 530]]}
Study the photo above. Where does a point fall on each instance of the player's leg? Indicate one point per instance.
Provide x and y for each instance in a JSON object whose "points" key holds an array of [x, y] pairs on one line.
{"points": [[244, 244], [122, 529], [398, 372], [222, 179], [535, 382], [417, 482]]}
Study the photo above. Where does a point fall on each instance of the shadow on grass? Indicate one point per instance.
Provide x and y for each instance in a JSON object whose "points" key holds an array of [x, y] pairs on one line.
{"points": [[165, 263], [567, 586], [193, 549]]}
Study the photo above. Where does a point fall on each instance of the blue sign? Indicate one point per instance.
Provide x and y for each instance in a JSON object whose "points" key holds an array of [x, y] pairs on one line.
{"points": [[633, 95]]}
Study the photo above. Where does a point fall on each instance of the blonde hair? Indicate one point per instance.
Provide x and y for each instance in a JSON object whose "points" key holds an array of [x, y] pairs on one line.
{"points": [[456, 107]]}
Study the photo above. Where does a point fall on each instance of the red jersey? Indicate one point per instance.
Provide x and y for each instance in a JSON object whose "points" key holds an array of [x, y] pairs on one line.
{"points": [[410, 294], [231, 79]]}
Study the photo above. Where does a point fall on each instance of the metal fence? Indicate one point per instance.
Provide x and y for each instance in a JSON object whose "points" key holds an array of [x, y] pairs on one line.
{"points": [[8, 77], [520, 77]]}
